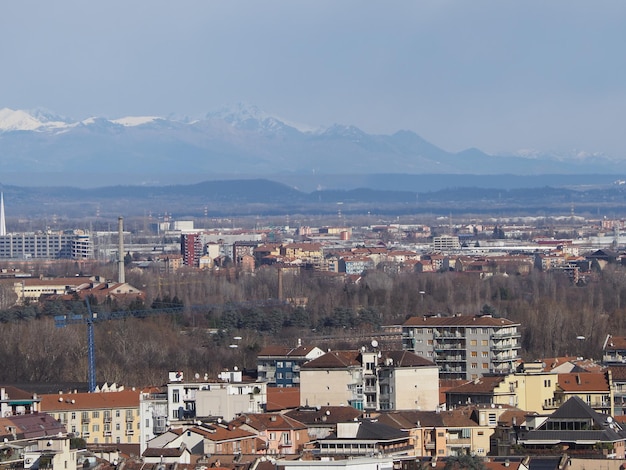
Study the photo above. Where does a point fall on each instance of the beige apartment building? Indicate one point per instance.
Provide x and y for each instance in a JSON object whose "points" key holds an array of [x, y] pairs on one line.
{"points": [[100, 417], [370, 380]]}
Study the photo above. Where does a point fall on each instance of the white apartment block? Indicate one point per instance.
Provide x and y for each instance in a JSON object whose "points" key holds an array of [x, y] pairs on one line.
{"points": [[225, 398], [46, 245]]}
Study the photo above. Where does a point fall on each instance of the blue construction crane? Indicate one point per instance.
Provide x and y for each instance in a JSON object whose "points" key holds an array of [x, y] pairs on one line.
{"points": [[61, 321]]}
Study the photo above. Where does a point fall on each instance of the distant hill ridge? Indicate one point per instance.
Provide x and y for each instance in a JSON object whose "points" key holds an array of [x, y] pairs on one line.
{"points": [[260, 196]]}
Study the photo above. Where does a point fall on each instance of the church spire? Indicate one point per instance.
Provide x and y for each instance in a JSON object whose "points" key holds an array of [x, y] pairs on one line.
{"points": [[3, 226]]}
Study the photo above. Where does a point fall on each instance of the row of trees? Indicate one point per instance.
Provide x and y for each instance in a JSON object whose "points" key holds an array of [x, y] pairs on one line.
{"points": [[216, 309]]}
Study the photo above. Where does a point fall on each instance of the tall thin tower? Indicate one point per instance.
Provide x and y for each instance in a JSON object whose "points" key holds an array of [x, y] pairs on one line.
{"points": [[120, 251], [3, 225]]}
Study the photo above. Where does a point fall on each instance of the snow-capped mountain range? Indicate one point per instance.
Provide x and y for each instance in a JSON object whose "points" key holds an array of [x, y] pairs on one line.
{"points": [[244, 140]]}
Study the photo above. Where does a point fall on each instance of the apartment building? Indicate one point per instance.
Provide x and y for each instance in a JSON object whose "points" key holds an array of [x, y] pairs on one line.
{"points": [[279, 366], [100, 417], [446, 243], [463, 346], [47, 245], [370, 380], [224, 397]]}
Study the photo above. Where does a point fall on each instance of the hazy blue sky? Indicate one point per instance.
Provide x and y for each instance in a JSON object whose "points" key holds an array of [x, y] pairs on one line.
{"points": [[498, 75]]}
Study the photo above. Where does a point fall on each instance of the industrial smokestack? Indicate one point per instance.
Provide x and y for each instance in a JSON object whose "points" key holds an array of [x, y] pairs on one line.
{"points": [[121, 278]]}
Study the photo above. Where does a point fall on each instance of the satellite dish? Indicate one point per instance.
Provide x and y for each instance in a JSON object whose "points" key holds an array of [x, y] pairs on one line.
{"points": [[196, 375], [374, 343], [609, 419], [580, 337]]}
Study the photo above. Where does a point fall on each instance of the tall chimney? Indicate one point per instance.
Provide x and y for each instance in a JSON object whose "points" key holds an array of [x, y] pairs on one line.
{"points": [[120, 251], [280, 284]]}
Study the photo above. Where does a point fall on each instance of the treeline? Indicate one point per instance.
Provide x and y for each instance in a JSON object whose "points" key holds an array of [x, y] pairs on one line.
{"points": [[224, 320]]}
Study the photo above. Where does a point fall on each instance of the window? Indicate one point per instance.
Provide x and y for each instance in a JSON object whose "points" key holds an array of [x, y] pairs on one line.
{"points": [[288, 364], [485, 365], [118, 439], [484, 342], [279, 375], [95, 428], [84, 415], [473, 331], [429, 342], [473, 342], [117, 426], [73, 428], [272, 436], [485, 353], [285, 438], [429, 331], [474, 353], [547, 383], [474, 365], [440, 451], [117, 413], [73, 415], [176, 396], [95, 414], [440, 434], [492, 419], [147, 422], [279, 364]]}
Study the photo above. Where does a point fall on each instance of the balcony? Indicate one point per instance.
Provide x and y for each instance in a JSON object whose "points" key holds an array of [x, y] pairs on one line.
{"points": [[504, 346], [85, 435], [85, 420], [107, 418], [506, 335], [450, 358], [496, 358], [460, 442], [430, 445], [108, 433], [130, 432], [440, 346], [369, 389]]}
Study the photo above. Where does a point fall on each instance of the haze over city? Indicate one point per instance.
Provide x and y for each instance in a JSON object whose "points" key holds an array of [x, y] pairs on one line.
{"points": [[499, 76]]}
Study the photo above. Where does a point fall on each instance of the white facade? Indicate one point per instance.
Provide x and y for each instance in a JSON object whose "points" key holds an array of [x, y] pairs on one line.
{"points": [[188, 400]]}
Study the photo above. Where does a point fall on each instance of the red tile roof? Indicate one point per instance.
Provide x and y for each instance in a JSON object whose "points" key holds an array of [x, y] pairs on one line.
{"points": [[263, 421], [282, 398], [89, 401], [335, 360], [583, 382], [482, 385]]}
